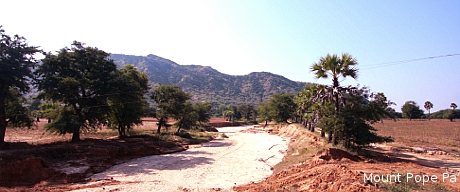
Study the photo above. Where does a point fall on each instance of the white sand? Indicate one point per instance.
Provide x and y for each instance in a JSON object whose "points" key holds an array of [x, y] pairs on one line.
{"points": [[217, 165]]}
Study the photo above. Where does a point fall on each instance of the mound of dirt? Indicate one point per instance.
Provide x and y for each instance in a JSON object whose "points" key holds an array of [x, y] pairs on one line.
{"points": [[336, 154], [313, 175]]}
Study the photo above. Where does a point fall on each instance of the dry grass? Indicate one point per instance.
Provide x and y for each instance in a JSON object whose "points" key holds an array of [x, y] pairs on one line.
{"points": [[438, 133], [38, 135]]}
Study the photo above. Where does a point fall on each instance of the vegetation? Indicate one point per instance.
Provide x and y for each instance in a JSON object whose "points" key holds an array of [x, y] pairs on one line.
{"points": [[335, 67], [128, 105], [279, 109], [428, 106], [16, 63], [411, 110], [171, 101], [81, 78]]}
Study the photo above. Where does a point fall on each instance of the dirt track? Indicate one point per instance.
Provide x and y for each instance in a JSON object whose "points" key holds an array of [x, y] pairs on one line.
{"points": [[215, 166]]}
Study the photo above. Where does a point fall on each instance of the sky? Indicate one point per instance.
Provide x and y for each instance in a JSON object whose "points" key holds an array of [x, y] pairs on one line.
{"points": [[409, 50]]}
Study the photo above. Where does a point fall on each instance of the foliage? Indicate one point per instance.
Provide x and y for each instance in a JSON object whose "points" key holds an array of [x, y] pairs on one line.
{"points": [[187, 118], [228, 114], [411, 110], [453, 106], [170, 99], [81, 78], [128, 105], [335, 67], [281, 107], [353, 123], [247, 111], [203, 112], [442, 114], [16, 113], [263, 111], [451, 115], [428, 106], [49, 110], [16, 63]]}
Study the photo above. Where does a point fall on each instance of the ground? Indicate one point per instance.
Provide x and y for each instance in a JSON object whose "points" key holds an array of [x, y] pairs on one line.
{"points": [[421, 148]]}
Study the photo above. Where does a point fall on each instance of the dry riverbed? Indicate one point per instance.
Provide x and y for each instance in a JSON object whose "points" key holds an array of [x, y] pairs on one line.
{"points": [[214, 166]]}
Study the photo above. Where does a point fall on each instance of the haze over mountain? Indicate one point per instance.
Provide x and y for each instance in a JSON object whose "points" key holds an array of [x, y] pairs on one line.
{"points": [[207, 84]]}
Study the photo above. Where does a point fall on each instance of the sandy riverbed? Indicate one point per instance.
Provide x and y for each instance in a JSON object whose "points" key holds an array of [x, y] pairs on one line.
{"points": [[215, 166]]}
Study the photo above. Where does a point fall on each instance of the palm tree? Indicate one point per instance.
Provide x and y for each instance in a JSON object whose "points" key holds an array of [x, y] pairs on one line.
{"points": [[428, 105], [453, 106], [335, 67]]}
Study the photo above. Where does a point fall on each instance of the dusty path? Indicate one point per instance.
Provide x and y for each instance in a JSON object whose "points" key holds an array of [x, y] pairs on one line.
{"points": [[214, 166]]}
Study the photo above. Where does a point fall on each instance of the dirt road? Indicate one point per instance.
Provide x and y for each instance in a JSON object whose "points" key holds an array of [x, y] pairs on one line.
{"points": [[214, 166]]}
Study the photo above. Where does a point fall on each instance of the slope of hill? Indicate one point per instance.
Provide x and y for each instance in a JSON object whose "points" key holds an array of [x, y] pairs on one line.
{"points": [[207, 84]]}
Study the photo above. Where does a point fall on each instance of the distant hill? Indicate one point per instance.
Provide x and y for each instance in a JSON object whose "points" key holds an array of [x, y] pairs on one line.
{"points": [[207, 84]]}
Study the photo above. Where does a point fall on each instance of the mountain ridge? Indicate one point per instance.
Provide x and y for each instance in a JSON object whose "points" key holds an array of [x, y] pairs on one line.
{"points": [[205, 83]]}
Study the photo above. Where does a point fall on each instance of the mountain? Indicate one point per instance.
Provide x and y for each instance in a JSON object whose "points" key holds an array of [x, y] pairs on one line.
{"points": [[207, 84]]}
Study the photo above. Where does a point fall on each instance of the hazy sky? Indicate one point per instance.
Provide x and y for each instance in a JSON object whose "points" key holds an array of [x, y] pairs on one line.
{"points": [[283, 37]]}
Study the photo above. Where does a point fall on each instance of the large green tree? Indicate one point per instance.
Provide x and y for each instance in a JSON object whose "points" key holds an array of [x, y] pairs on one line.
{"points": [[336, 67], [428, 106], [281, 107], [247, 111], [264, 113], [128, 105], [81, 78], [188, 117], [411, 110], [16, 64], [306, 105], [170, 100], [203, 111]]}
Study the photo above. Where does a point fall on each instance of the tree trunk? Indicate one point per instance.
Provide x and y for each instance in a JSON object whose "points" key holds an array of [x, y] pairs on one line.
{"points": [[334, 138], [76, 135], [160, 122], [329, 137], [3, 122], [429, 115], [266, 122]]}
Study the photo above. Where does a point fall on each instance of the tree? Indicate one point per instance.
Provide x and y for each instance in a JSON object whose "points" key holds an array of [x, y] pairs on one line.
{"points": [[170, 99], [281, 107], [49, 110], [187, 118], [16, 113], [451, 114], [203, 112], [247, 111], [228, 114], [16, 63], [306, 105], [336, 67], [263, 111], [128, 105], [411, 110], [81, 79], [428, 106]]}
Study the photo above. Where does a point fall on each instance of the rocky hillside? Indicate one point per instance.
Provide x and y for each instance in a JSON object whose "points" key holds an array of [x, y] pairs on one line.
{"points": [[207, 84]]}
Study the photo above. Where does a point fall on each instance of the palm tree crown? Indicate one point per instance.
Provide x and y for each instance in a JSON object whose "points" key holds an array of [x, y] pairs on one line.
{"points": [[335, 66], [453, 105]]}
